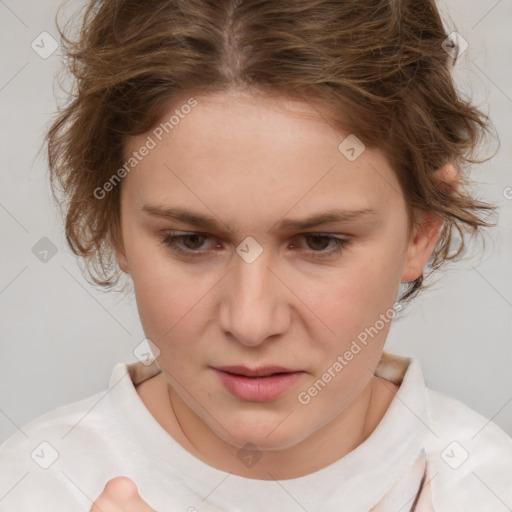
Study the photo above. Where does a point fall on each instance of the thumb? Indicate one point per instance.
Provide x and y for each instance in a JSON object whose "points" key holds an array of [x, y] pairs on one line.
{"points": [[121, 489], [120, 493]]}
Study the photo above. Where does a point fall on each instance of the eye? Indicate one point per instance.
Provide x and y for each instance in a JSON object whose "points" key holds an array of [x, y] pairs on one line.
{"points": [[186, 244], [191, 245], [321, 242]]}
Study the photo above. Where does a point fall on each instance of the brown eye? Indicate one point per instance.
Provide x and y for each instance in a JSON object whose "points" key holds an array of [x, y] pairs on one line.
{"points": [[189, 245], [318, 242], [196, 241], [323, 245]]}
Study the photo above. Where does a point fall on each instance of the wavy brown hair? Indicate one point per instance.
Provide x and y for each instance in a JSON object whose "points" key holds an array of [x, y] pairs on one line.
{"points": [[379, 66]]}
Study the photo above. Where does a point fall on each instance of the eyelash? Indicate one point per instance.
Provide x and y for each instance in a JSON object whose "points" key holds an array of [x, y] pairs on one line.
{"points": [[171, 241]]}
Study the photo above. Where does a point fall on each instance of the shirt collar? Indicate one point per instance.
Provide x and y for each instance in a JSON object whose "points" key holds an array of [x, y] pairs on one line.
{"points": [[361, 479]]}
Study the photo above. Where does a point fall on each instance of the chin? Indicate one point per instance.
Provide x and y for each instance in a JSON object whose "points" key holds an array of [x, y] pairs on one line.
{"points": [[263, 436]]}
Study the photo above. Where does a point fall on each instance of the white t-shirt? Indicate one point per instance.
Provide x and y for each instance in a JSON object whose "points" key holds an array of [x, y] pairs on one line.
{"points": [[428, 453]]}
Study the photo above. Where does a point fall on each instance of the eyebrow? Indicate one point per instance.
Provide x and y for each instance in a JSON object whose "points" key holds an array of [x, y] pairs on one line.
{"points": [[207, 222]]}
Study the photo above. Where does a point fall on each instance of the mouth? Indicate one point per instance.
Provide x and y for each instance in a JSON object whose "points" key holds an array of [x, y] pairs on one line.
{"points": [[262, 384], [264, 371]]}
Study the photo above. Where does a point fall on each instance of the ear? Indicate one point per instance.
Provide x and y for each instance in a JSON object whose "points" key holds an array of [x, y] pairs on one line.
{"points": [[427, 229]]}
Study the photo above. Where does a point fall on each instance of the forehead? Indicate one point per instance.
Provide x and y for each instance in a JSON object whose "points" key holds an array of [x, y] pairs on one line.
{"points": [[246, 149]]}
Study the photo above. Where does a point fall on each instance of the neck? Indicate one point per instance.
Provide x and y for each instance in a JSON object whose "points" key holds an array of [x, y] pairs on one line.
{"points": [[331, 442]]}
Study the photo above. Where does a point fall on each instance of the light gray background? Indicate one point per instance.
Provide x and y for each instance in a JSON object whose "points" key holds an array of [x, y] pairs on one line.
{"points": [[60, 337]]}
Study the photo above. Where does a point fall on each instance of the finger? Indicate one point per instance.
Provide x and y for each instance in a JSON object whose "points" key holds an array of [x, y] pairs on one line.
{"points": [[121, 489], [120, 495]]}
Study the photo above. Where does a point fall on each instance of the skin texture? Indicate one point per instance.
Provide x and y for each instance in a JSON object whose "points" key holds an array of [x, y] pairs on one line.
{"points": [[120, 495], [250, 162]]}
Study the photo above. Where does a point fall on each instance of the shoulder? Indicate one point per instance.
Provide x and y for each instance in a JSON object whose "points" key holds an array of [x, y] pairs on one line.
{"points": [[38, 462], [470, 458], [58, 418]]}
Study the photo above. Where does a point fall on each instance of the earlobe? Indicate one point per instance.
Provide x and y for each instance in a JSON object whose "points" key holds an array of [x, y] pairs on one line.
{"points": [[426, 233], [421, 246]]}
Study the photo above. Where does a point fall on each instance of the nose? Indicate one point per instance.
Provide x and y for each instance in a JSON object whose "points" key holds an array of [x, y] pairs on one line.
{"points": [[254, 306]]}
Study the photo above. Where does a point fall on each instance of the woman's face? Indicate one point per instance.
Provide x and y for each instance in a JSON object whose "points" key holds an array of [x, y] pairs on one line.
{"points": [[252, 283]]}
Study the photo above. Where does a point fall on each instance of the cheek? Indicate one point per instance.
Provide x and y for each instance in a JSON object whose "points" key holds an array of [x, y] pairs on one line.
{"points": [[174, 304], [163, 293], [166, 307], [354, 295]]}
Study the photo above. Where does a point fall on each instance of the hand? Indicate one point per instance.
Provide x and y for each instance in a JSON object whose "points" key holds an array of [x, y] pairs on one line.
{"points": [[120, 495]]}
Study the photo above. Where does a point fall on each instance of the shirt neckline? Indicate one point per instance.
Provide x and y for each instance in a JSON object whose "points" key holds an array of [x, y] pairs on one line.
{"points": [[376, 465]]}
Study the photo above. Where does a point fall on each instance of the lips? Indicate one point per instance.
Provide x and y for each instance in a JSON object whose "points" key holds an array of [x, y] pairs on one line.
{"points": [[261, 384], [264, 371]]}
